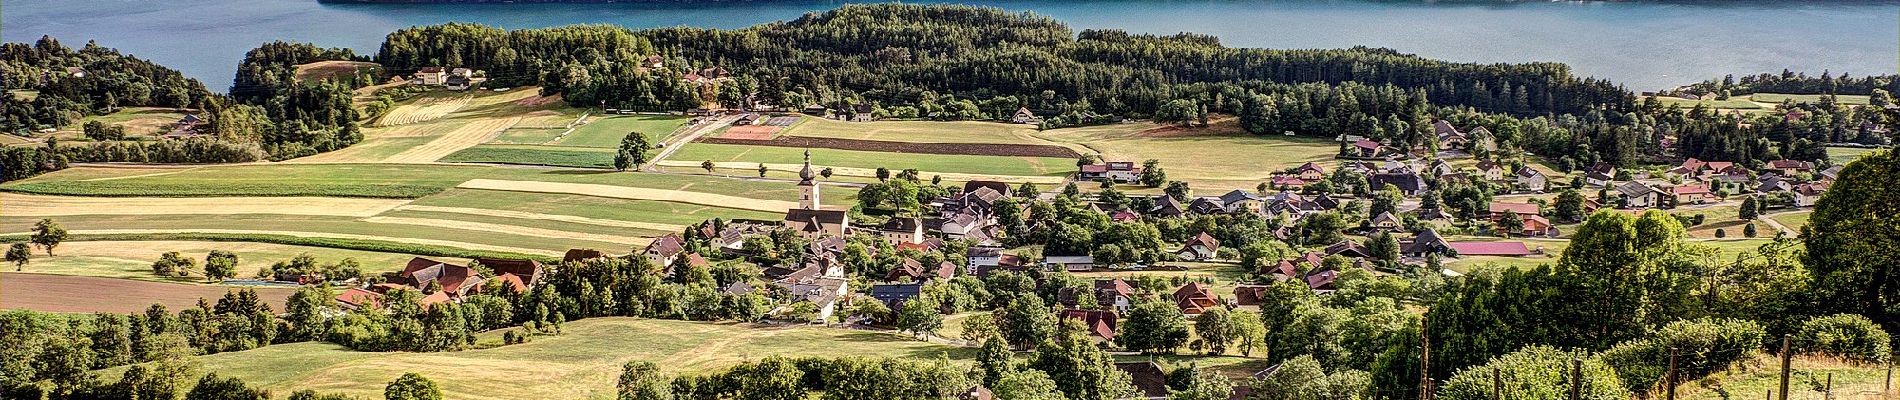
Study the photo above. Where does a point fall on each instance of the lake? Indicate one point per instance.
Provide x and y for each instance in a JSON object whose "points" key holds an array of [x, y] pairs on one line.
{"points": [[1644, 46]]}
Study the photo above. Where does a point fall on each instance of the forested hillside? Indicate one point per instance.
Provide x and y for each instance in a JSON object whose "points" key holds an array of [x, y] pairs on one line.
{"points": [[51, 85]]}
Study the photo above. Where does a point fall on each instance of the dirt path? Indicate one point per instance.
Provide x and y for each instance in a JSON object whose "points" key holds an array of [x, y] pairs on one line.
{"points": [[633, 193], [550, 217], [82, 294], [1770, 219], [474, 133], [692, 133], [345, 236], [14, 204], [508, 229]]}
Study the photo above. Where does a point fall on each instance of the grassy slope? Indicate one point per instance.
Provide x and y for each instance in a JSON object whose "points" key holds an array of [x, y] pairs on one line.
{"points": [[1758, 376], [993, 165], [583, 362], [133, 259]]}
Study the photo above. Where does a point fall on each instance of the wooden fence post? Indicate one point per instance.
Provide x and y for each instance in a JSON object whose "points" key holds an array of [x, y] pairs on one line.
{"points": [[1673, 353], [1786, 360], [1576, 379]]}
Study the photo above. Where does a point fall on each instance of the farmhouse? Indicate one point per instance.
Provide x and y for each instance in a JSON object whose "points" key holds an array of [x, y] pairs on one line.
{"points": [[894, 295], [1201, 247], [1194, 298], [1101, 323], [356, 299], [664, 250], [1600, 175], [1790, 167], [1310, 172], [1531, 180], [432, 76], [1118, 171], [1366, 148], [1639, 195], [1023, 116]]}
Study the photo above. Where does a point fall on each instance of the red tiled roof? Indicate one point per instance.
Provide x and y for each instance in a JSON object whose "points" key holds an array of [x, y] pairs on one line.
{"points": [[359, 297], [1522, 209], [1490, 248]]}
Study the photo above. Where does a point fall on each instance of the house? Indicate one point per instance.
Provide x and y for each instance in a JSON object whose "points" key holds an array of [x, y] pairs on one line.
{"points": [[1509, 249], [1118, 171], [1772, 183], [422, 273], [901, 230], [862, 112], [1201, 247], [894, 295], [1531, 180], [1690, 167], [1348, 249], [1250, 295], [823, 291], [1101, 323], [817, 222], [1831, 173], [357, 299], [1386, 222], [76, 72], [1194, 298], [457, 83], [520, 275], [1426, 241], [1691, 193], [578, 255], [1322, 282], [1148, 378], [1310, 172], [653, 62], [1206, 206], [1115, 294], [1167, 207], [1366, 148], [1241, 201], [1534, 225], [1449, 137], [1790, 167], [1409, 184], [1600, 175], [1023, 116], [1287, 181], [664, 250], [815, 109], [916, 272], [431, 76], [1440, 168], [1491, 171], [1807, 193], [1496, 209], [746, 119], [1638, 195], [977, 392], [1081, 263]]}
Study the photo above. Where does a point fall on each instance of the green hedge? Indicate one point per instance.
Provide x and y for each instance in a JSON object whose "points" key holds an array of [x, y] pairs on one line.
{"points": [[1849, 336], [1536, 373], [1704, 346]]}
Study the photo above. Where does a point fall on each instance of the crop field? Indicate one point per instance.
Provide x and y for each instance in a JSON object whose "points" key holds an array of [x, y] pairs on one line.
{"points": [[581, 363], [466, 236], [525, 154], [329, 180], [1731, 104], [562, 206], [1216, 158], [22, 205], [126, 259], [81, 294], [468, 135], [7, 139], [927, 163], [607, 131], [430, 107]]}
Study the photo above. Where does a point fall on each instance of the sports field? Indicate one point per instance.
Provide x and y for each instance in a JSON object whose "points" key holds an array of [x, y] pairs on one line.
{"points": [[1216, 158], [581, 363]]}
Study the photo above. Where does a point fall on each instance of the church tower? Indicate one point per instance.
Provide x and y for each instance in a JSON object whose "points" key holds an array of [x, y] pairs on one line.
{"points": [[808, 185]]}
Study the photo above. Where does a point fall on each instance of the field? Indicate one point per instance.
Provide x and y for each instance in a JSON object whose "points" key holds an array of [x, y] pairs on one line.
{"points": [[82, 294], [1793, 220], [524, 154], [22, 205], [1752, 378], [133, 259], [581, 363], [1216, 158], [1843, 155], [1730, 104], [138, 121], [1777, 98], [928, 164], [918, 131], [326, 69], [606, 132]]}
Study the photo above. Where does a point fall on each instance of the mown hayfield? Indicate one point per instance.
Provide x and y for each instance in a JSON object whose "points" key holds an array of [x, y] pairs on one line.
{"points": [[7, 139], [989, 165], [465, 237], [555, 206], [527, 154], [680, 195], [366, 180], [1216, 158], [127, 259], [918, 131], [1733, 103], [85, 294], [475, 132], [138, 121], [581, 363], [26, 205], [373, 150], [607, 131]]}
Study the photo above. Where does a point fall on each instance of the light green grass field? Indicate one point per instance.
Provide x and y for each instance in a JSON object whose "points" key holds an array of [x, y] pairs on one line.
{"points": [[1794, 220], [918, 131], [989, 165], [1216, 158], [138, 121], [1844, 155], [527, 154], [606, 132], [1808, 379], [133, 259], [581, 363], [1732, 103], [1777, 98], [313, 224]]}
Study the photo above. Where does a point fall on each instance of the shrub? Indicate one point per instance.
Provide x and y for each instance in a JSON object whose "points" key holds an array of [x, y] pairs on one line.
{"points": [[1536, 372], [1848, 336], [1704, 345], [173, 264]]}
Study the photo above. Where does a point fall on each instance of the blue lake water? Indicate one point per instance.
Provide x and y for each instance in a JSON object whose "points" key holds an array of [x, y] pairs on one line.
{"points": [[1645, 46]]}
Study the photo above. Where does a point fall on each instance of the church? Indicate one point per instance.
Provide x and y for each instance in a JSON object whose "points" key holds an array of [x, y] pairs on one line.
{"points": [[811, 218]]}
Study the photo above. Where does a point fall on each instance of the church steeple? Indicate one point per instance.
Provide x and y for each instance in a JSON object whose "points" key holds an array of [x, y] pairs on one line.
{"points": [[808, 185]]}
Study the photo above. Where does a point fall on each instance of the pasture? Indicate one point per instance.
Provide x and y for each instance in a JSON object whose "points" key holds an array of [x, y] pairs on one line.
{"points": [[524, 154], [138, 121], [1777, 98], [919, 131], [581, 363], [1215, 158], [1844, 155]]}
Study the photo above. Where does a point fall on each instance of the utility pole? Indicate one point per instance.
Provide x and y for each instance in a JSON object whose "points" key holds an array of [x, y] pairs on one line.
{"points": [[1576, 379], [1786, 360], [1673, 354], [1424, 359]]}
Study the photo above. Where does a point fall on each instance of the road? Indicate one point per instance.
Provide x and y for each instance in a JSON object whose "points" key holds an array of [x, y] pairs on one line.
{"points": [[692, 133]]}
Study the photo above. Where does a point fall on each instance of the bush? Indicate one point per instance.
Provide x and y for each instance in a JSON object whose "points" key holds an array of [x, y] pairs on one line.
{"points": [[1849, 336], [1536, 372], [173, 264], [1704, 345]]}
